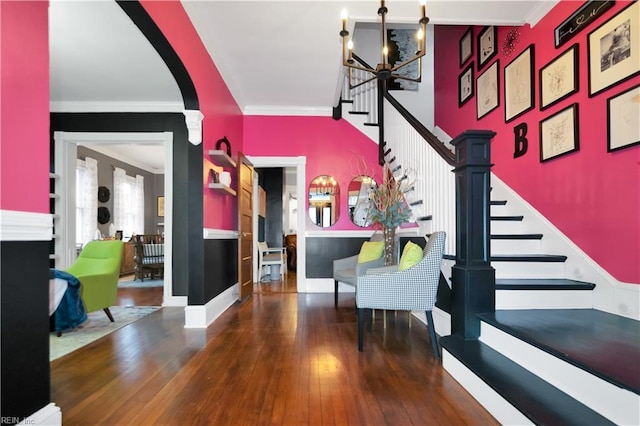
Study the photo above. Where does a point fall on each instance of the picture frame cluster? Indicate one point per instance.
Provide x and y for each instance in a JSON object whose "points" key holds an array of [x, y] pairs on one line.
{"points": [[613, 57]]}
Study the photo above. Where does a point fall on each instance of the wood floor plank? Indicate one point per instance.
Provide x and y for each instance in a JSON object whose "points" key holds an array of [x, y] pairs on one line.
{"points": [[276, 358]]}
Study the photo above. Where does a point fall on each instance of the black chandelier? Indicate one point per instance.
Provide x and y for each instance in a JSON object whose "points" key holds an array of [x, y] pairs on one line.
{"points": [[384, 70]]}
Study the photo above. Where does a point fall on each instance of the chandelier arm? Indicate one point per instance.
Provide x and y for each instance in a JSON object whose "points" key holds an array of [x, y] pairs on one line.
{"points": [[361, 83], [357, 67], [415, 58], [400, 77]]}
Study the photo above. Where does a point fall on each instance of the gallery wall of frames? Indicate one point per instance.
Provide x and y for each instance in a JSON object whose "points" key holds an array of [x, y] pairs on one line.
{"points": [[564, 99]]}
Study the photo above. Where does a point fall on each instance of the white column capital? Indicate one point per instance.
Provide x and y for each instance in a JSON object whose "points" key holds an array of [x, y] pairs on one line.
{"points": [[193, 119]]}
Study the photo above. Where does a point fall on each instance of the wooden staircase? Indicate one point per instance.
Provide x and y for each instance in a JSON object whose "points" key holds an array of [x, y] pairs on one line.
{"points": [[545, 356]]}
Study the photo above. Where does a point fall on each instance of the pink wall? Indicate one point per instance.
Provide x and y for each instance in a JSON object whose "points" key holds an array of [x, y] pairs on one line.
{"points": [[592, 196], [24, 108], [331, 147], [222, 114]]}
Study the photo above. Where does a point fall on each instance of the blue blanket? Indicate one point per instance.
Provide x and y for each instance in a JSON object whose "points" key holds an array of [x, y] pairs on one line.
{"points": [[71, 311]]}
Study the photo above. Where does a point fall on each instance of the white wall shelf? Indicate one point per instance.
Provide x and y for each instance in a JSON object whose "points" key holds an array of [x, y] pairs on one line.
{"points": [[222, 188], [221, 158]]}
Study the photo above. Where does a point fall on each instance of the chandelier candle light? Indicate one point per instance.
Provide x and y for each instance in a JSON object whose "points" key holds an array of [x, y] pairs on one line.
{"points": [[384, 70]]}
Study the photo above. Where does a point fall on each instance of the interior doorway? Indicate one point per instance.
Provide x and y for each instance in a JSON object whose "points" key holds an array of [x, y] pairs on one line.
{"points": [[66, 148], [296, 165]]}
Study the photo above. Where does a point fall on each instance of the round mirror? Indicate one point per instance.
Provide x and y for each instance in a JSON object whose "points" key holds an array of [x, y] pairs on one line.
{"points": [[324, 196], [359, 190]]}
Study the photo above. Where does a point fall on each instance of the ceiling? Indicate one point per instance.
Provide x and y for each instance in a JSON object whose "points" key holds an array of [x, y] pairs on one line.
{"points": [[276, 57]]}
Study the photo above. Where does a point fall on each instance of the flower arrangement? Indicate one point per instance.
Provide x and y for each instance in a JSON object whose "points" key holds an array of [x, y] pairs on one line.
{"points": [[388, 207], [389, 210]]}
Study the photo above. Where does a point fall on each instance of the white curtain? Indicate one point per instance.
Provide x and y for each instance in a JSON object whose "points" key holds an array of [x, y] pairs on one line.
{"points": [[128, 203], [86, 200]]}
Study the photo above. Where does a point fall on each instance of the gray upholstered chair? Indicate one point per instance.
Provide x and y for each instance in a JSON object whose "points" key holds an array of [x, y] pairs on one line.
{"points": [[347, 270], [413, 289]]}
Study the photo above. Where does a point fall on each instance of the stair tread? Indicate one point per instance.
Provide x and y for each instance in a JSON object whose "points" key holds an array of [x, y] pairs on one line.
{"points": [[359, 112], [498, 202], [346, 101], [542, 284], [520, 257], [528, 258], [371, 124], [535, 398], [516, 236], [604, 344], [513, 218]]}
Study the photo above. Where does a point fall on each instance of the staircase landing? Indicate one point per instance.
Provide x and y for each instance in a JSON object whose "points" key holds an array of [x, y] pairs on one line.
{"points": [[606, 345]]}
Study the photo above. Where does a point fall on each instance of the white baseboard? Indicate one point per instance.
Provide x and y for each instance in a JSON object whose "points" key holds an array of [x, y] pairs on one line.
{"points": [[500, 408], [201, 316], [179, 301], [49, 415], [323, 285]]}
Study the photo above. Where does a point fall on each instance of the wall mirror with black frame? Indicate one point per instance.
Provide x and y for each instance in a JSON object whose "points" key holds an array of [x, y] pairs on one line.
{"points": [[358, 199], [324, 201]]}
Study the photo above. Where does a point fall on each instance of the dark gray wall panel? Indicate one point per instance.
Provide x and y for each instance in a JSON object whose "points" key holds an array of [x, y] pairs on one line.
{"points": [[221, 266], [24, 320]]}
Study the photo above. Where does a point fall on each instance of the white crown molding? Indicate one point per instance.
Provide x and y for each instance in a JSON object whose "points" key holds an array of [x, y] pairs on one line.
{"points": [[539, 11], [92, 106], [288, 111], [105, 150], [219, 234], [193, 118], [25, 226]]}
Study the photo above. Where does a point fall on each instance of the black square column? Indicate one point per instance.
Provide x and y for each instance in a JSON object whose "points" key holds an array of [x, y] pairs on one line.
{"points": [[473, 277]]}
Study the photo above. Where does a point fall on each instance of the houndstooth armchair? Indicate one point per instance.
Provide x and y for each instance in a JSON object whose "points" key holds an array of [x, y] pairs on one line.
{"points": [[412, 289]]}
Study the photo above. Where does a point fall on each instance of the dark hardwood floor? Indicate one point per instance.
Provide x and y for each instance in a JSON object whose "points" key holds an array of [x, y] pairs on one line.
{"points": [[276, 358]]}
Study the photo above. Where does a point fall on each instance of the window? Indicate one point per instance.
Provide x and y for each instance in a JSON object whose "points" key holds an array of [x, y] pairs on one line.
{"points": [[128, 200], [86, 200]]}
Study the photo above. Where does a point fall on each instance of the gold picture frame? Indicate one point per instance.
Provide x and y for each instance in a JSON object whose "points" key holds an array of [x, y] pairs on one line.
{"points": [[161, 206], [614, 50]]}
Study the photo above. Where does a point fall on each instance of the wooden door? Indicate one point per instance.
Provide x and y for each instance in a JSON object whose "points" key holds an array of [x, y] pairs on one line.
{"points": [[245, 226]]}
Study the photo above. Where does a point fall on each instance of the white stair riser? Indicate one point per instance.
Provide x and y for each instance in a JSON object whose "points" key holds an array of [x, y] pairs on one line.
{"points": [[618, 405], [515, 246], [501, 409], [358, 121], [506, 227], [544, 299], [528, 269]]}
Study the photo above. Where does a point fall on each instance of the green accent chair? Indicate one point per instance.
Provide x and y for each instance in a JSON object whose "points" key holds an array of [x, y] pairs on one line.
{"points": [[98, 269]]}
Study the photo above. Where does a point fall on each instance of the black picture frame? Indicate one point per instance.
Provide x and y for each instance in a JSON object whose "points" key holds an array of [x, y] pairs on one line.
{"points": [[488, 90], [614, 50], [465, 85], [487, 45], [519, 83], [559, 78], [466, 46], [559, 134], [623, 119], [580, 19]]}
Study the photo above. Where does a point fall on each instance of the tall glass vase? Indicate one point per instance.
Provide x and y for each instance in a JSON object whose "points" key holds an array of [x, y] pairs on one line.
{"points": [[390, 246]]}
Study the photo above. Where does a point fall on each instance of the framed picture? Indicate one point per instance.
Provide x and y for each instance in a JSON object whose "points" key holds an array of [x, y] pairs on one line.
{"points": [[518, 85], [487, 87], [487, 45], [614, 50], [161, 206], [623, 119], [580, 19], [559, 133], [466, 46], [465, 85], [559, 78]]}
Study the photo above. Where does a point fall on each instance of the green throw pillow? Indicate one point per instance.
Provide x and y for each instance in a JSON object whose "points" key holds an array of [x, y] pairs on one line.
{"points": [[411, 255], [371, 250]]}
